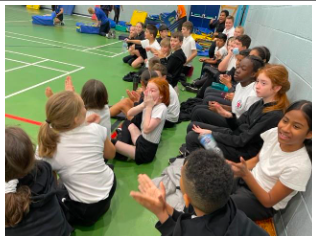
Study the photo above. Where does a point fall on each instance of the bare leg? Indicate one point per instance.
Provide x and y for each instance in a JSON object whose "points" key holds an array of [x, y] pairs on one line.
{"points": [[125, 149], [48, 92], [122, 106], [137, 62], [56, 20], [135, 132]]}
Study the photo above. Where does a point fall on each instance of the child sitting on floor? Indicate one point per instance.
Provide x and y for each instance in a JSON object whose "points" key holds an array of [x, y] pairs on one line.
{"points": [[31, 204], [242, 137], [206, 182], [281, 169], [149, 42], [76, 150], [95, 98], [154, 110]]}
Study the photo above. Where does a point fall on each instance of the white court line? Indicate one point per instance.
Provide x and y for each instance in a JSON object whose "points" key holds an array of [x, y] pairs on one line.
{"points": [[18, 21], [13, 52], [72, 45], [24, 66], [42, 83], [27, 40], [101, 46], [40, 66], [118, 54]]}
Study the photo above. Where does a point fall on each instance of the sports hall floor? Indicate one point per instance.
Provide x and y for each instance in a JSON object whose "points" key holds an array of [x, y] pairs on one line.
{"points": [[40, 56]]}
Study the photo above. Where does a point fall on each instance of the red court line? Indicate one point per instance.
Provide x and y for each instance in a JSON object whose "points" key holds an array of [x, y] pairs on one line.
{"points": [[23, 119], [37, 123]]}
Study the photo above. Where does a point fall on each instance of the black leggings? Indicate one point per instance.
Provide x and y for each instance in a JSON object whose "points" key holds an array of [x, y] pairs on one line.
{"points": [[211, 94], [201, 113], [230, 153], [117, 14], [246, 201]]}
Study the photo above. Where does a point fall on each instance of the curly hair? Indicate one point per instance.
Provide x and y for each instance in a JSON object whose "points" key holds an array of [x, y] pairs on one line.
{"points": [[207, 179]]}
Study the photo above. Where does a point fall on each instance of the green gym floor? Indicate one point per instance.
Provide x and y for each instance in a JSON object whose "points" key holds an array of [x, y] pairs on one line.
{"points": [[40, 56]]}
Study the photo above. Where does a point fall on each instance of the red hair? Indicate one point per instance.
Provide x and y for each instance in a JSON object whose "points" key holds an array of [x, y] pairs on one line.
{"points": [[163, 87], [279, 77]]}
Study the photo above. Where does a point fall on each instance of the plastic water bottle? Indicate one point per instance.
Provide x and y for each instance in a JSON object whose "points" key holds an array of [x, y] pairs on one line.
{"points": [[235, 51], [219, 86], [124, 46], [209, 143]]}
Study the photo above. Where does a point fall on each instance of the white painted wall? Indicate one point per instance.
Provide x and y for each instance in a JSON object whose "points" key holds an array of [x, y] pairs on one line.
{"points": [[287, 32]]}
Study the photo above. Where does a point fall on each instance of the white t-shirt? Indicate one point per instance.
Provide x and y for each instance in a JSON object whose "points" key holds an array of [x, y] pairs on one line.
{"points": [[187, 46], [231, 63], [105, 118], [222, 51], [173, 109], [145, 43], [293, 169], [244, 97], [80, 164], [159, 111], [229, 33]]}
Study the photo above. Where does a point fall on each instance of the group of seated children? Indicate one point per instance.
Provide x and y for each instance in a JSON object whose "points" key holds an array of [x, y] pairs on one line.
{"points": [[264, 143]]}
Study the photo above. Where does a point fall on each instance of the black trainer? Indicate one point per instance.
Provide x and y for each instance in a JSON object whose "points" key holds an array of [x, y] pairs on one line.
{"points": [[192, 89]]}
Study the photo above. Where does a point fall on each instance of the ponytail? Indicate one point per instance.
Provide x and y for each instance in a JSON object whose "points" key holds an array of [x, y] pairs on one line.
{"points": [[61, 111], [282, 102], [19, 161], [47, 140], [17, 205]]}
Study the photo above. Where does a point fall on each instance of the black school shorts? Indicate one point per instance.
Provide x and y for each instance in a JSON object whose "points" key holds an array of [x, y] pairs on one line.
{"points": [[145, 150]]}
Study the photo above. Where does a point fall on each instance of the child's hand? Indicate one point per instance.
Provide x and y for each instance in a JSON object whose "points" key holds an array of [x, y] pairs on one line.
{"points": [[68, 84], [225, 79], [133, 95], [201, 131], [202, 59], [148, 49], [150, 196], [218, 55], [239, 169], [148, 99], [229, 96], [126, 40], [48, 92], [216, 107], [93, 118]]}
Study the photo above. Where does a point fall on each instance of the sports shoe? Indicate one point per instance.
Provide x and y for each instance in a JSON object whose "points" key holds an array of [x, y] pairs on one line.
{"points": [[62, 23], [191, 89], [129, 77], [183, 149], [113, 35]]}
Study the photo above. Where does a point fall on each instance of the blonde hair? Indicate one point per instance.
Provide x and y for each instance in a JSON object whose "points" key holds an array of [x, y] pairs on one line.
{"points": [[90, 10], [241, 29], [279, 77], [165, 42], [61, 110]]}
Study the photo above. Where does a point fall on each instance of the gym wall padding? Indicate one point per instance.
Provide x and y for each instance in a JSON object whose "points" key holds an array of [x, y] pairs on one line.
{"points": [[44, 20]]}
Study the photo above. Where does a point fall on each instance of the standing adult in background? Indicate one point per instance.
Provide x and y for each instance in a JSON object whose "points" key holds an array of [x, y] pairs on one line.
{"points": [[181, 16], [117, 10], [59, 10], [106, 9], [219, 24]]}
